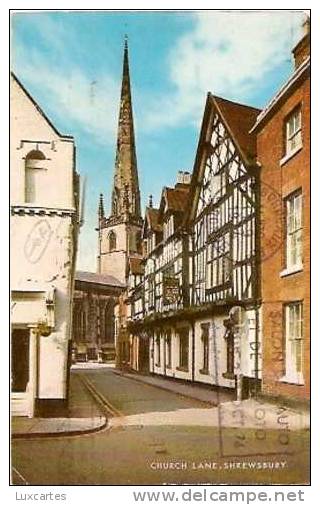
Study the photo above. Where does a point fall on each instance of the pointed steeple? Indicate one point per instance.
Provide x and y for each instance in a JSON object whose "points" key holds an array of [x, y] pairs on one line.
{"points": [[126, 194]]}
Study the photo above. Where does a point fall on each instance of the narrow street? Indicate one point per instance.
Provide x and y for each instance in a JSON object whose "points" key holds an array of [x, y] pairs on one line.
{"points": [[155, 437]]}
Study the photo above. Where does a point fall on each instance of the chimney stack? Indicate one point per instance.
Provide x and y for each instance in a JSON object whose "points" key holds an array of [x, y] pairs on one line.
{"points": [[302, 50], [183, 178]]}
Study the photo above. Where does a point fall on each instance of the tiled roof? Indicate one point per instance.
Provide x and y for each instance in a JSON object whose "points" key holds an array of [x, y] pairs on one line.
{"points": [[135, 265], [239, 119], [176, 198], [94, 278], [153, 219]]}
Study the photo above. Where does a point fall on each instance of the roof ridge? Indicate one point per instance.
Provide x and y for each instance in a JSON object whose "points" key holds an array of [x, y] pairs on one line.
{"points": [[39, 109], [235, 103]]}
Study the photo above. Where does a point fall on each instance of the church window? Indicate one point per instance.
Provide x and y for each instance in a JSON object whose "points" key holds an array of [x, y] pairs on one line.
{"points": [[112, 241]]}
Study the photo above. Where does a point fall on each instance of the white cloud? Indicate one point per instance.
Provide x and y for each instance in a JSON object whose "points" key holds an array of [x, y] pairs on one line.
{"points": [[227, 53], [92, 105]]}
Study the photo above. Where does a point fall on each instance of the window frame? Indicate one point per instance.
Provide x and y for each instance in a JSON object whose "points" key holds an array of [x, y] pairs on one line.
{"points": [[205, 340], [158, 350], [219, 266], [168, 348], [297, 131], [183, 335], [293, 343], [294, 236], [31, 169], [112, 236]]}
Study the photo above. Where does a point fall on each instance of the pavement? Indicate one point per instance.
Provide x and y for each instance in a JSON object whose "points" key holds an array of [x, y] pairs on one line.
{"points": [[222, 413], [203, 393], [90, 411], [84, 416]]}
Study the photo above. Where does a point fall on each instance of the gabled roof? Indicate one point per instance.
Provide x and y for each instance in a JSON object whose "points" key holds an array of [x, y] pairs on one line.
{"points": [[239, 119], [151, 221], [94, 278], [175, 199], [152, 216], [135, 266], [38, 108]]}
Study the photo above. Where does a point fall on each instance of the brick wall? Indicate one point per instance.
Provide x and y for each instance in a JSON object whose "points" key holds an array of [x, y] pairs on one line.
{"points": [[282, 180]]}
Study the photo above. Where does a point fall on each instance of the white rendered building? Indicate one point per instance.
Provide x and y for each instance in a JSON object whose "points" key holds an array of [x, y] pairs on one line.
{"points": [[44, 227]]}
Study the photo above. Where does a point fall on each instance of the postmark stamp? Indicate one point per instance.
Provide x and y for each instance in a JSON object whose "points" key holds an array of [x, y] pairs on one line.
{"points": [[37, 240], [255, 427]]}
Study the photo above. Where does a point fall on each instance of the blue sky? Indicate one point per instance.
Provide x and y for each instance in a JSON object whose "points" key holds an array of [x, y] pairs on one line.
{"points": [[71, 62]]}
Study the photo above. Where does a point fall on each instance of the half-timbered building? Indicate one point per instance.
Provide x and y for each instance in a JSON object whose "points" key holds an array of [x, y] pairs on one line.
{"points": [[222, 227], [203, 262], [164, 281]]}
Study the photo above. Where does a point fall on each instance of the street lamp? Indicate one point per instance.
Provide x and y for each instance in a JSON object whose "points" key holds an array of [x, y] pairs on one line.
{"points": [[43, 329]]}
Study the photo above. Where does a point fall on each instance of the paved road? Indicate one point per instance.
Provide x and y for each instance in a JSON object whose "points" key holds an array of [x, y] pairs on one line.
{"points": [[141, 447]]}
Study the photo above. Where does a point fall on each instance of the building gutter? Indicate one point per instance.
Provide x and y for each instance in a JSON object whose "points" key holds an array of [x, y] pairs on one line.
{"points": [[281, 93]]}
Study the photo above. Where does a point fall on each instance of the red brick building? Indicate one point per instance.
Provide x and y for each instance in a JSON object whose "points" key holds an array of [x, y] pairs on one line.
{"points": [[283, 150]]}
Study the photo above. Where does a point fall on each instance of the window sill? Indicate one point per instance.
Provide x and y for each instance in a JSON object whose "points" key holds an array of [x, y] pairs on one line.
{"points": [[290, 155], [292, 270], [228, 375], [297, 381], [182, 369]]}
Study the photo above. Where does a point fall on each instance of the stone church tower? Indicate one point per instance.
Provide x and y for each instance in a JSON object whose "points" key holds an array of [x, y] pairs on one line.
{"points": [[119, 234]]}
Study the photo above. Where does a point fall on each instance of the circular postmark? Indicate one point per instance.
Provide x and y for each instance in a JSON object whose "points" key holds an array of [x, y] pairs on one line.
{"points": [[271, 221], [37, 241]]}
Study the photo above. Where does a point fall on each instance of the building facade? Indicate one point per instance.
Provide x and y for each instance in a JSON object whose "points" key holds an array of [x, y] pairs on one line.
{"points": [[44, 228], [283, 149], [201, 261], [95, 297], [222, 293]]}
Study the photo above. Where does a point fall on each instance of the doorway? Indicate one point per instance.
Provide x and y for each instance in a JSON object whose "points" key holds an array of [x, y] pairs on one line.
{"points": [[20, 352], [144, 355]]}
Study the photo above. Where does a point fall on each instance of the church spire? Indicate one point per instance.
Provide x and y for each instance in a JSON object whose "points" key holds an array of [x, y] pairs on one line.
{"points": [[126, 194]]}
